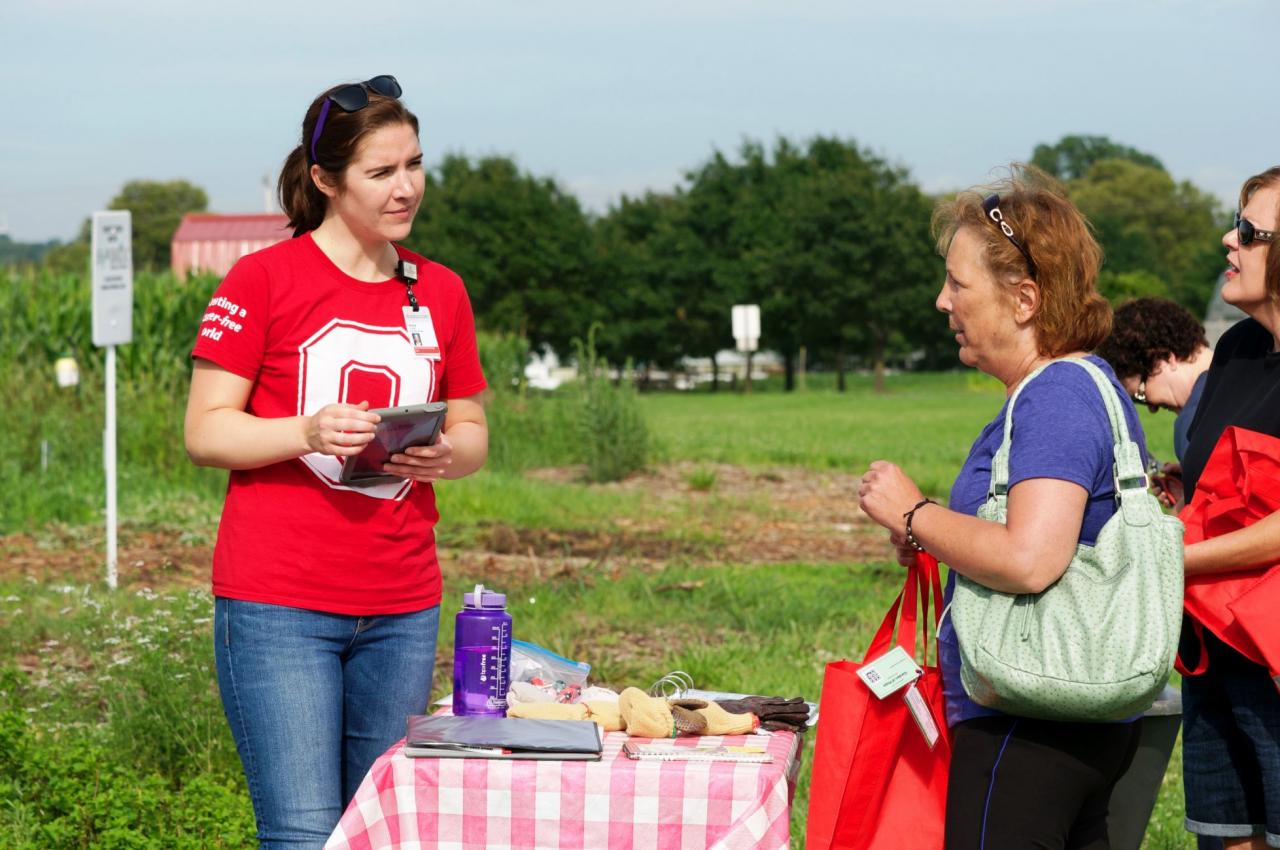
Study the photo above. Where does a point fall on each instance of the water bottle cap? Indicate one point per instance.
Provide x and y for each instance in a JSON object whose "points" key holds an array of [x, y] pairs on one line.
{"points": [[482, 598]]}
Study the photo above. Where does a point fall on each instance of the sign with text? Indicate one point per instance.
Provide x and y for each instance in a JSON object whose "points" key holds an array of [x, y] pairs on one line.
{"points": [[746, 326], [112, 253]]}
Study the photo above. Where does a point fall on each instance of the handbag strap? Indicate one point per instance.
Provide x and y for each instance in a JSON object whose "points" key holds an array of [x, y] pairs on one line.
{"points": [[1129, 471]]}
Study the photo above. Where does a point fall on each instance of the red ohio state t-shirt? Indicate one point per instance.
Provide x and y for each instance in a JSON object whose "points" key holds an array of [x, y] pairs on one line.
{"points": [[308, 335]]}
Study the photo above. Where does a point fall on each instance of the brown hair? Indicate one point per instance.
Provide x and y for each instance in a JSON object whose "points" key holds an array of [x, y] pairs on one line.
{"points": [[339, 141], [1072, 316], [1267, 179]]}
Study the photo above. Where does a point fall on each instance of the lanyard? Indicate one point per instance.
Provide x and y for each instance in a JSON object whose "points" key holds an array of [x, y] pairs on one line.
{"points": [[408, 274]]}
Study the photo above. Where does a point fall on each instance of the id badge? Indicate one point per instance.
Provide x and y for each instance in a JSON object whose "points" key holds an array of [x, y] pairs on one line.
{"points": [[919, 709], [422, 333], [890, 672]]}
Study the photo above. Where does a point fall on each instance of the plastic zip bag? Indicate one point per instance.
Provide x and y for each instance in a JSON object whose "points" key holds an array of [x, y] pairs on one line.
{"points": [[530, 661]]}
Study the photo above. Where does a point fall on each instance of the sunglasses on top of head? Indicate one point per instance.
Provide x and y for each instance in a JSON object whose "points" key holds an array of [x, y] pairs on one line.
{"points": [[353, 98], [991, 208], [1248, 234]]}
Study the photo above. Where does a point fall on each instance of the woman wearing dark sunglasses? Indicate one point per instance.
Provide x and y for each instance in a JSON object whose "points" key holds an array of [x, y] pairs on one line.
{"points": [[1019, 293], [327, 593], [1231, 712]]}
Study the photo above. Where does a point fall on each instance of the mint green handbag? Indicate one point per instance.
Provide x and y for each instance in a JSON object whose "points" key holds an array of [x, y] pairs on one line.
{"points": [[1100, 642]]}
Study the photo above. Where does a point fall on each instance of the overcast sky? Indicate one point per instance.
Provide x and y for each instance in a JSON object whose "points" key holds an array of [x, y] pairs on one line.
{"points": [[612, 97]]}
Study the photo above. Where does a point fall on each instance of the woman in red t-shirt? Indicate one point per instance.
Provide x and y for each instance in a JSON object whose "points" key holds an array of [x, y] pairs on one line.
{"points": [[328, 594]]}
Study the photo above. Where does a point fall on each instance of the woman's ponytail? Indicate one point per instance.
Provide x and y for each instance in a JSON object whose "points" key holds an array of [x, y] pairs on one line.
{"points": [[299, 198]]}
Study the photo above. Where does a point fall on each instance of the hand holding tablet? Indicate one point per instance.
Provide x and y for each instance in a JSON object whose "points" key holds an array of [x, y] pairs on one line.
{"points": [[399, 428]]}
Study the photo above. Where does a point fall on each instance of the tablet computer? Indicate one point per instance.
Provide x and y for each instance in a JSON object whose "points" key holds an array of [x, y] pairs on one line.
{"points": [[400, 428]]}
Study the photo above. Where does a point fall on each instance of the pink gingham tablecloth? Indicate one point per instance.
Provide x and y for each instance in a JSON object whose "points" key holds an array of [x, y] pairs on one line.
{"points": [[616, 803]]}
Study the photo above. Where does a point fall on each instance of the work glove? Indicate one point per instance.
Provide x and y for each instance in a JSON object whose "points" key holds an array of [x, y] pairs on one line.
{"points": [[775, 713], [548, 711], [701, 717], [606, 713], [603, 712], [645, 716]]}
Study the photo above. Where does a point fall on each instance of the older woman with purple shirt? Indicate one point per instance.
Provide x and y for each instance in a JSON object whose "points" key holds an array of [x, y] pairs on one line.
{"points": [[1019, 293]]}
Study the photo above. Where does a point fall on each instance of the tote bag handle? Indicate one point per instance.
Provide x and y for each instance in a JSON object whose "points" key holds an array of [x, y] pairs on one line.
{"points": [[922, 581]]}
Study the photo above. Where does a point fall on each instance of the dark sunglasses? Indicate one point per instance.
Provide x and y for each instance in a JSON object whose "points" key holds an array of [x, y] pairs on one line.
{"points": [[991, 207], [353, 98], [1247, 233]]}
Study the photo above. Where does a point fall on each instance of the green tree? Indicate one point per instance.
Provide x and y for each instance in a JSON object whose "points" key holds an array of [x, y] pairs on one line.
{"points": [[1151, 226], [720, 218], [71, 258], [157, 208], [23, 253], [1071, 157], [522, 243], [1118, 287], [834, 244], [647, 259]]}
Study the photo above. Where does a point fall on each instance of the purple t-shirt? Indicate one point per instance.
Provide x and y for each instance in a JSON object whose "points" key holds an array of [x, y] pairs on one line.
{"points": [[1060, 430]]}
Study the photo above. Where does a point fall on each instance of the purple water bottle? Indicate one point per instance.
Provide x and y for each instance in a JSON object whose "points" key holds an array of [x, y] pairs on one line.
{"points": [[482, 654]]}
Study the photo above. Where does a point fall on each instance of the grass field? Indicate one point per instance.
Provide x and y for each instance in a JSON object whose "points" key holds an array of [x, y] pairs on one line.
{"points": [[740, 559]]}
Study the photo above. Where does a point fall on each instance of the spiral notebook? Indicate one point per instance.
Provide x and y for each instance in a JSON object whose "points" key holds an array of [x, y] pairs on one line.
{"points": [[669, 751]]}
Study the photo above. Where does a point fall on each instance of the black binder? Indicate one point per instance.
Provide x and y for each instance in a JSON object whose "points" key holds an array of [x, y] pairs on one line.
{"points": [[502, 738]]}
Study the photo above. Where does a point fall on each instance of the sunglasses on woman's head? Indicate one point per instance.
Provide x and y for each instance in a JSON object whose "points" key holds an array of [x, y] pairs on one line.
{"points": [[1247, 233], [353, 98], [991, 208]]}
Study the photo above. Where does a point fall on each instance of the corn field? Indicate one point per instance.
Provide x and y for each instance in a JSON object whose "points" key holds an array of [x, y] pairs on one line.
{"points": [[51, 467]]}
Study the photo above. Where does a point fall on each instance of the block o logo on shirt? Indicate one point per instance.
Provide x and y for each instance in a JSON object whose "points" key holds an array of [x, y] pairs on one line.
{"points": [[350, 362]]}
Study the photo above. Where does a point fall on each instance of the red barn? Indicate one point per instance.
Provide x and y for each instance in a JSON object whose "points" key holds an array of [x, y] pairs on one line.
{"points": [[210, 242]]}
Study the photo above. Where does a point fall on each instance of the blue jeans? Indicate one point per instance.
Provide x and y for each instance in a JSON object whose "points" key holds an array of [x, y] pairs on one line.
{"points": [[1231, 747], [313, 699]]}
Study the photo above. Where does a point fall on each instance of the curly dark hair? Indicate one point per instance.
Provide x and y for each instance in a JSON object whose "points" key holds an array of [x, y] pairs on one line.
{"points": [[1147, 330]]}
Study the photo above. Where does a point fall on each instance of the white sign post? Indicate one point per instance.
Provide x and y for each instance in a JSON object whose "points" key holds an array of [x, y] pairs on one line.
{"points": [[746, 332], [112, 325]]}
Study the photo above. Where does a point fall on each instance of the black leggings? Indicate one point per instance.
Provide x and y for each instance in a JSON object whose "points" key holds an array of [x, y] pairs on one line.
{"points": [[1022, 783]]}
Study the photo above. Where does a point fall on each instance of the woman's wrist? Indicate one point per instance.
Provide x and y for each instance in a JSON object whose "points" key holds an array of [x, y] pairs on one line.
{"points": [[909, 530], [302, 436], [470, 442]]}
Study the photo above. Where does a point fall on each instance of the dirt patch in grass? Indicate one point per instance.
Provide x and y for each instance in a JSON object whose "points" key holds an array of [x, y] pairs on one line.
{"points": [[761, 515], [710, 513], [167, 559], [649, 544]]}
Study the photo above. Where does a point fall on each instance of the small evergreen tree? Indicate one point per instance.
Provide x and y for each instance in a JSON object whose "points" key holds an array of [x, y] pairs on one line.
{"points": [[612, 435]]}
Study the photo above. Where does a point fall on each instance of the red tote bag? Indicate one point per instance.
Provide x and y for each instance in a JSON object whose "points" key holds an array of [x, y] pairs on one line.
{"points": [[876, 782], [1240, 485]]}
